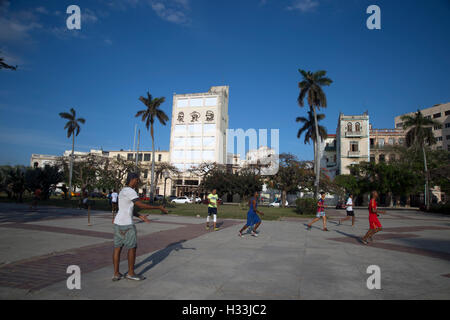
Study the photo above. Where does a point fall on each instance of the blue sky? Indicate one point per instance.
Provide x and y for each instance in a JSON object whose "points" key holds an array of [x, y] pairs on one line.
{"points": [[128, 47]]}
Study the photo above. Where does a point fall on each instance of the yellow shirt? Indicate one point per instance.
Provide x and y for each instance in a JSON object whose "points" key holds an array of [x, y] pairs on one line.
{"points": [[213, 200]]}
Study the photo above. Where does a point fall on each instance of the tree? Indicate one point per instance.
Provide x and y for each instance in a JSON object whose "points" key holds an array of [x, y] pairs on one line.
{"points": [[45, 179], [309, 129], [311, 87], [162, 167], [148, 116], [419, 134], [4, 65], [73, 129], [204, 170], [289, 176]]}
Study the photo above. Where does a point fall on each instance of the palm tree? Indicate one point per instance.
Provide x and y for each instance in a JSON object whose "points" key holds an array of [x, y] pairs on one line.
{"points": [[4, 65], [419, 133], [309, 128], [311, 87], [148, 116], [73, 129]]}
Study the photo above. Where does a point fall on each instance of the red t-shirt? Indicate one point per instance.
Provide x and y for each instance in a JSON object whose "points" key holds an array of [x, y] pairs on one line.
{"points": [[372, 206], [320, 205]]}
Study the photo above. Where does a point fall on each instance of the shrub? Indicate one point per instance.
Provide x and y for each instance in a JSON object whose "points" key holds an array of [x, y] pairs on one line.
{"points": [[306, 206]]}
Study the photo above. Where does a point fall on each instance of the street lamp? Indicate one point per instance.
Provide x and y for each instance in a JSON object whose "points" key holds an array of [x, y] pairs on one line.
{"points": [[166, 176]]}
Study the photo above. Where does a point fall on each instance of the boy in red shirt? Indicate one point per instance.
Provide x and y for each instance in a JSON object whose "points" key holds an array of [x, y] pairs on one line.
{"points": [[375, 225]]}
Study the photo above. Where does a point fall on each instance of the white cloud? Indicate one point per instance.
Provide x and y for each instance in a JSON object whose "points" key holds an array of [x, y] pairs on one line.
{"points": [[42, 10], [174, 11], [16, 26], [303, 5]]}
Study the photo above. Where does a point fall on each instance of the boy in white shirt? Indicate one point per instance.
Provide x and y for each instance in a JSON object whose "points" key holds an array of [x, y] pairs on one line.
{"points": [[124, 229], [349, 209]]}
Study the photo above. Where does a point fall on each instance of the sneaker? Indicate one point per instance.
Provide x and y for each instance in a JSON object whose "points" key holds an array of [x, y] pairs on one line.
{"points": [[207, 227], [339, 223], [135, 277], [308, 227], [364, 241], [117, 278], [254, 234], [325, 229], [216, 229], [241, 235]]}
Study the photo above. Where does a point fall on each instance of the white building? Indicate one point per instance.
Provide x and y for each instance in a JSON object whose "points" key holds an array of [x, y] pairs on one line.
{"points": [[199, 124]]}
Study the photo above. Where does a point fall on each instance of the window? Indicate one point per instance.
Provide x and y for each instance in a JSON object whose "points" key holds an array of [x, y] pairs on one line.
{"points": [[209, 142], [195, 128], [130, 156], [354, 146], [391, 141], [436, 115], [209, 129], [145, 174], [372, 158], [447, 125], [399, 125], [118, 157], [349, 127], [209, 102], [448, 137], [439, 138], [179, 130], [428, 117], [437, 127], [381, 142], [197, 102], [147, 157], [140, 157], [447, 113], [159, 157], [372, 142], [36, 164], [194, 142], [357, 127], [208, 155], [382, 158], [182, 103], [401, 141]]}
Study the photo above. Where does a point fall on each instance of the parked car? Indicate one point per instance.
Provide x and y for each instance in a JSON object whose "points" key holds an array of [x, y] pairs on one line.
{"points": [[183, 199], [75, 194], [172, 197], [196, 200], [277, 204], [159, 197]]}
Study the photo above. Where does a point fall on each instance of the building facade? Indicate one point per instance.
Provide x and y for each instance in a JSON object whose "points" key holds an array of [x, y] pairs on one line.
{"points": [[439, 113]]}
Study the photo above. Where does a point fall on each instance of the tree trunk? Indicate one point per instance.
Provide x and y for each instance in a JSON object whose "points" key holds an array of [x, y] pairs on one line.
{"points": [[427, 189], [283, 199], [71, 166], [152, 179], [316, 156]]}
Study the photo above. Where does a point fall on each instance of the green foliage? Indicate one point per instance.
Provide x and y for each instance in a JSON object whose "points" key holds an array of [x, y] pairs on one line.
{"points": [[45, 179], [306, 206], [440, 208]]}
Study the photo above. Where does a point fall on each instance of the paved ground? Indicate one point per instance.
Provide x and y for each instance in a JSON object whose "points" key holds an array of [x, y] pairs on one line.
{"points": [[181, 260]]}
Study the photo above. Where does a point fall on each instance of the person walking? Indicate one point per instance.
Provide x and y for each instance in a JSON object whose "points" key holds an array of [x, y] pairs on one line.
{"points": [[320, 213], [253, 219], [213, 200], [125, 234], [349, 210]]}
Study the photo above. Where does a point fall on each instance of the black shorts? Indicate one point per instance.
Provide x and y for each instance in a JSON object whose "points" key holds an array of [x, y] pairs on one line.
{"points": [[212, 211], [350, 213]]}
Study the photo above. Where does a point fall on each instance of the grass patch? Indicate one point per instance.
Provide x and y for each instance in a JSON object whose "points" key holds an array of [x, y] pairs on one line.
{"points": [[231, 212]]}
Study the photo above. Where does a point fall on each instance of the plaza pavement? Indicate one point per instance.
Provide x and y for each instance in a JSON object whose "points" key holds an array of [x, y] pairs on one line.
{"points": [[181, 260]]}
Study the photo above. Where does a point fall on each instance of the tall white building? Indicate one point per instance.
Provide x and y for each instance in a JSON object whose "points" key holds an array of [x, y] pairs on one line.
{"points": [[199, 124]]}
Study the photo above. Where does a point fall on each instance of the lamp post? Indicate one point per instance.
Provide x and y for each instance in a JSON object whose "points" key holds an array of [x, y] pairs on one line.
{"points": [[166, 176]]}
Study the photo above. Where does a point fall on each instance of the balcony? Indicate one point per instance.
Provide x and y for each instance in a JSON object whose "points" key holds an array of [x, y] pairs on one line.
{"points": [[353, 134], [331, 164], [354, 154]]}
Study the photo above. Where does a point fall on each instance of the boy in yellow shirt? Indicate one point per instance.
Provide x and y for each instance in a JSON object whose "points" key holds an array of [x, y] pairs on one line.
{"points": [[212, 208]]}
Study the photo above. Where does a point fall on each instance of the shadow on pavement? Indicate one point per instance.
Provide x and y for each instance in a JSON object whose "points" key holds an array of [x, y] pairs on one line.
{"points": [[160, 255]]}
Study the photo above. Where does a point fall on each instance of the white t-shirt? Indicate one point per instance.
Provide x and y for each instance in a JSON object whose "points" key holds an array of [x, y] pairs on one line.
{"points": [[127, 197], [114, 196], [349, 204]]}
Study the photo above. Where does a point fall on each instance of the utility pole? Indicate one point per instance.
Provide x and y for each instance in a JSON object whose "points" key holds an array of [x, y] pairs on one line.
{"points": [[137, 151], [134, 140]]}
